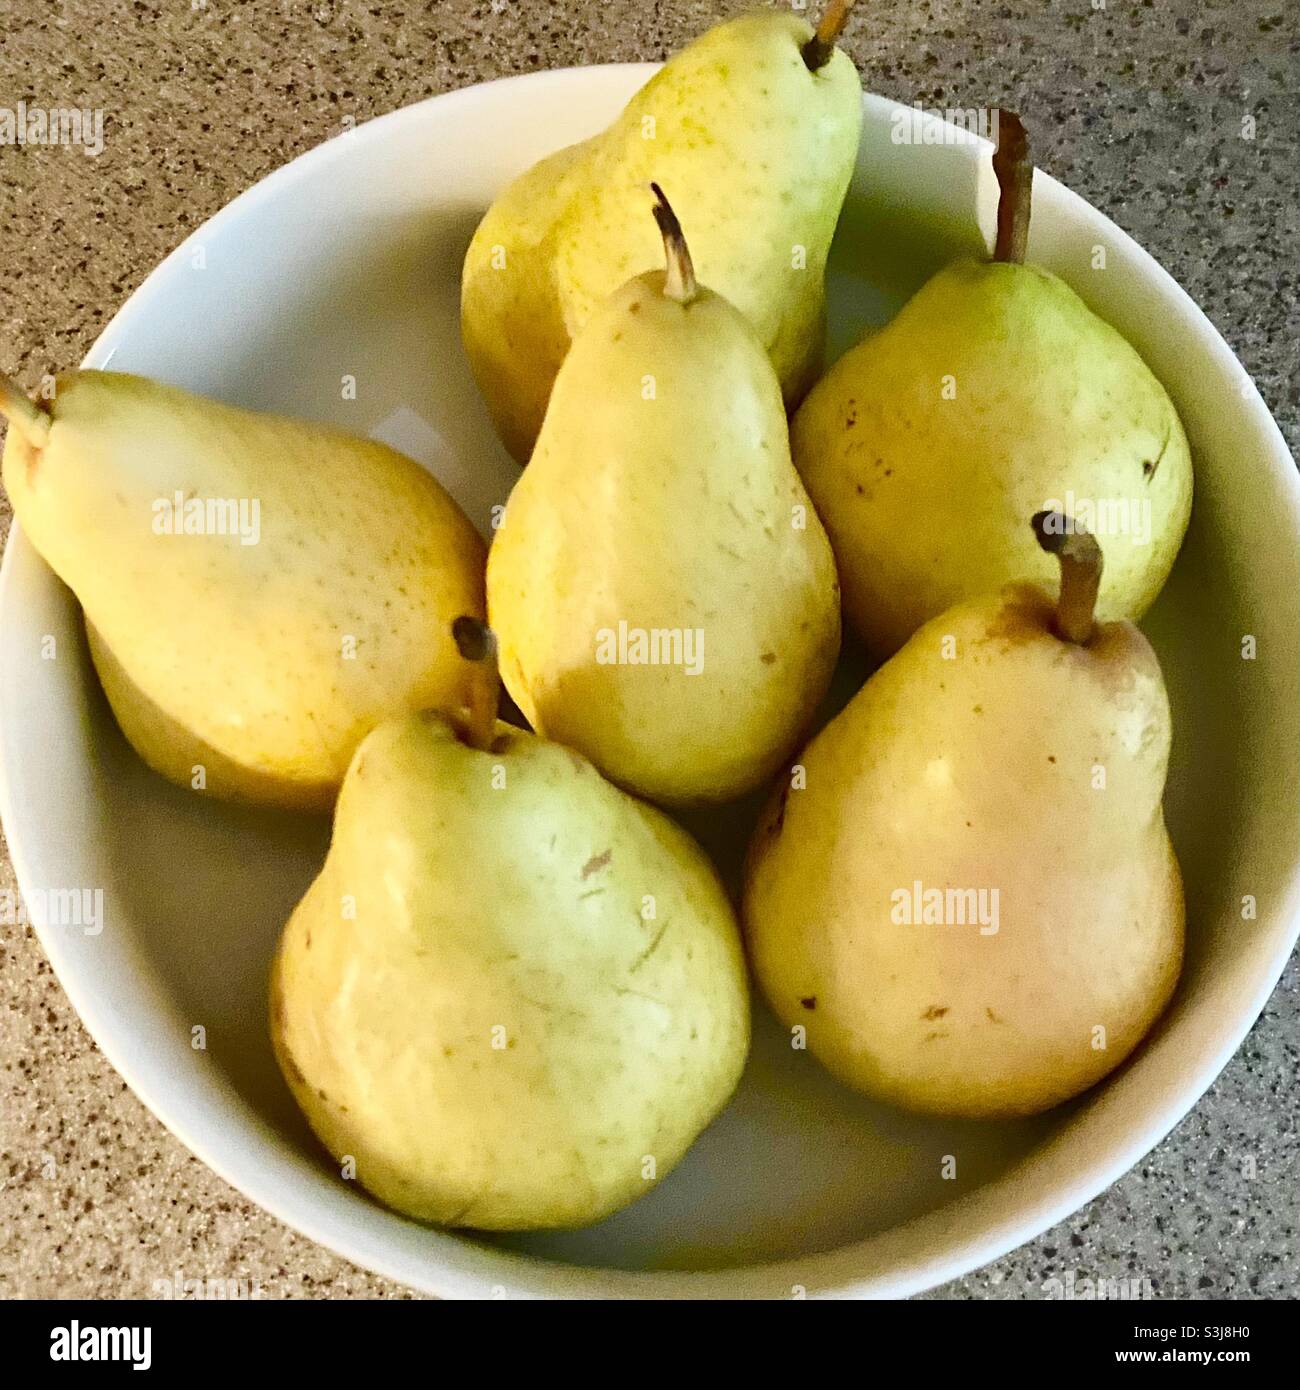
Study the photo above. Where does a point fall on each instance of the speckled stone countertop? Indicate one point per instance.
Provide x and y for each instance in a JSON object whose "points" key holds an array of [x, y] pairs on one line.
{"points": [[1137, 104]]}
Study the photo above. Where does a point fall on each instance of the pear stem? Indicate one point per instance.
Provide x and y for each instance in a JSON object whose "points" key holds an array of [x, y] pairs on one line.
{"points": [[1080, 558], [23, 413], [679, 278], [1015, 174], [817, 51], [476, 641]]}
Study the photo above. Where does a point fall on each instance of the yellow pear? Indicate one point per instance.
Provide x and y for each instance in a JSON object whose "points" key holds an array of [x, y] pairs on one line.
{"points": [[754, 127], [663, 591], [995, 393], [259, 592], [970, 902], [515, 994]]}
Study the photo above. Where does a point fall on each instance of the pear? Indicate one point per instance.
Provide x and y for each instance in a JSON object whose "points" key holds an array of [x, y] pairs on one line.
{"points": [[754, 127], [664, 594], [994, 393], [515, 995], [258, 592], [969, 900]]}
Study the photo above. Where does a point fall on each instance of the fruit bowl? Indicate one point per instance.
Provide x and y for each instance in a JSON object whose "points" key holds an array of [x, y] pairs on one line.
{"points": [[346, 264]]}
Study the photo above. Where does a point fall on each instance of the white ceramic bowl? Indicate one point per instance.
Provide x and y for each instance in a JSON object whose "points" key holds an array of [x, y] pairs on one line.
{"points": [[347, 263]]}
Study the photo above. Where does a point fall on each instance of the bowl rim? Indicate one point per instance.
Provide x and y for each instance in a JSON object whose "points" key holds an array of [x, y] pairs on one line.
{"points": [[449, 1274]]}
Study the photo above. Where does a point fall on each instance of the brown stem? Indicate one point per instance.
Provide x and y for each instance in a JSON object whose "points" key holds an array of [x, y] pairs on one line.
{"points": [[679, 279], [1080, 558], [26, 415], [1015, 175], [817, 51], [476, 641]]}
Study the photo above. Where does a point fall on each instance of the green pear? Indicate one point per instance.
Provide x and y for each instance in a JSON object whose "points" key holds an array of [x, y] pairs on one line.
{"points": [[515, 995], [754, 127], [994, 393], [258, 592], [970, 902], [664, 594]]}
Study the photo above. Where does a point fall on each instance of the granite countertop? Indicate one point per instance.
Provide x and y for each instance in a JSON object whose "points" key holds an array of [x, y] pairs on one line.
{"points": [[1137, 104]]}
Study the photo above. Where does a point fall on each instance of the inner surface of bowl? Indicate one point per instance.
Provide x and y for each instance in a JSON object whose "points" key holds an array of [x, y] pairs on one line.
{"points": [[346, 264]]}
